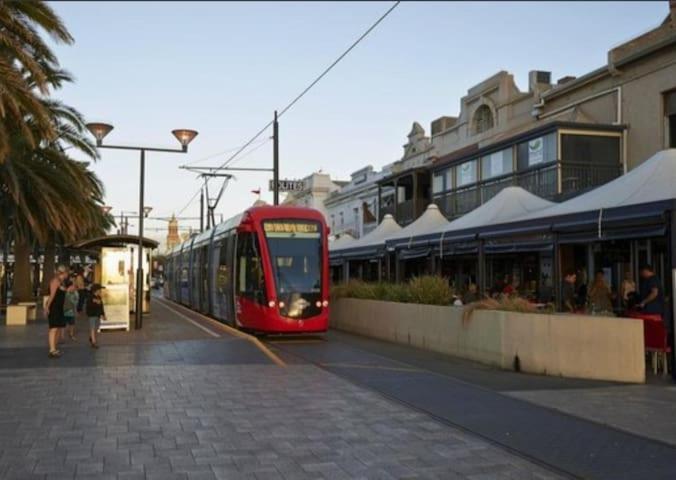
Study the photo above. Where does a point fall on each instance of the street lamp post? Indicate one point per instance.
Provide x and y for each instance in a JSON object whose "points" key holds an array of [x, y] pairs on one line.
{"points": [[184, 136]]}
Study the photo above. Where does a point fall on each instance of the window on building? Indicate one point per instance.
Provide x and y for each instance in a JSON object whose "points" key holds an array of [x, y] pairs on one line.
{"points": [[536, 151], [342, 220], [448, 179], [590, 149], [333, 222], [496, 164], [670, 114], [466, 173], [401, 194], [437, 182], [483, 119]]}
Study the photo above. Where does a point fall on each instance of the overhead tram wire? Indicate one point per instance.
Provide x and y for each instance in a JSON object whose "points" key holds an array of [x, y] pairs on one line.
{"points": [[314, 82], [209, 157], [192, 199], [301, 95]]}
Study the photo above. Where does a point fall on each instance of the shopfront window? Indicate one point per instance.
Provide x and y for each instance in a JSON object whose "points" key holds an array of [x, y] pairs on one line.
{"points": [[536, 151], [496, 164]]}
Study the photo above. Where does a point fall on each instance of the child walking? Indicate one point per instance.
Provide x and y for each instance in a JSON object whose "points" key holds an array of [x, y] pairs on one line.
{"points": [[70, 303], [95, 313]]}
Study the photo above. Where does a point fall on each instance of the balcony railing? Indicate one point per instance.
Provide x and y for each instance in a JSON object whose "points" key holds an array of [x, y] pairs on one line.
{"points": [[385, 210], [542, 181], [405, 213]]}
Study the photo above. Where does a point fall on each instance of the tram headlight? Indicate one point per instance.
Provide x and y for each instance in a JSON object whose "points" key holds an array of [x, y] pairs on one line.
{"points": [[271, 304], [281, 304], [318, 304], [325, 303]]}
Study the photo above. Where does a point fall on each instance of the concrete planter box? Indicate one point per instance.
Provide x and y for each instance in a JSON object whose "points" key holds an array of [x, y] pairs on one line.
{"points": [[579, 346]]}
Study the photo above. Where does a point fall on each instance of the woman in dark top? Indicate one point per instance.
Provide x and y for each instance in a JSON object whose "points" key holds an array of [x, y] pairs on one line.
{"points": [[54, 309], [95, 313]]}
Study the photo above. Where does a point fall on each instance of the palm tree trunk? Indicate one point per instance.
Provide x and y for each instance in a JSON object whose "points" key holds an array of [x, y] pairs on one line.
{"points": [[22, 288], [48, 267]]}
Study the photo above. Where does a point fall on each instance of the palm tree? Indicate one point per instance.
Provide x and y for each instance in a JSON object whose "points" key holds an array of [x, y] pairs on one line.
{"points": [[28, 69], [48, 196]]}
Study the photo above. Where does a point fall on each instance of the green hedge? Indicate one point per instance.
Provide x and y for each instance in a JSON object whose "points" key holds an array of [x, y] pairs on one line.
{"points": [[429, 290]]}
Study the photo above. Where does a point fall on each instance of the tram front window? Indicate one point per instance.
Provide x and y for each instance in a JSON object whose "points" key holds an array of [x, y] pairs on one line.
{"points": [[295, 254]]}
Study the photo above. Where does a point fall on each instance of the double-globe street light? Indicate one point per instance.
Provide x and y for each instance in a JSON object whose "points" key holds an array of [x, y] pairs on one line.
{"points": [[184, 136]]}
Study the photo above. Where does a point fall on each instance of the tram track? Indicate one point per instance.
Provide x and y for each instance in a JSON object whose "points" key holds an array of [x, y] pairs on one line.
{"points": [[334, 368], [546, 437]]}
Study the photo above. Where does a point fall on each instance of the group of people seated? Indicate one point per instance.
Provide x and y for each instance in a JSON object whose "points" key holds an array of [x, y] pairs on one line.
{"points": [[578, 297]]}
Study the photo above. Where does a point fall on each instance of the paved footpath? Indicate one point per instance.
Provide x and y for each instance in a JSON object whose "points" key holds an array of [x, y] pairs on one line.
{"points": [[210, 408]]}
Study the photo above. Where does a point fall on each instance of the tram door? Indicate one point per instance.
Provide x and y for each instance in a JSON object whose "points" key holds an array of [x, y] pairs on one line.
{"points": [[250, 295], [223, 301]]}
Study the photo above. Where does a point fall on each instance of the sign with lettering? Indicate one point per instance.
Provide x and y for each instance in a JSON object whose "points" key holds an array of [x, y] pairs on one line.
{"points": [[283, 226], [287, 185]]}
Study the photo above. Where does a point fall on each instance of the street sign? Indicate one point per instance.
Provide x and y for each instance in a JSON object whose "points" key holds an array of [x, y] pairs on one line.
{"points": [[288, 185]]}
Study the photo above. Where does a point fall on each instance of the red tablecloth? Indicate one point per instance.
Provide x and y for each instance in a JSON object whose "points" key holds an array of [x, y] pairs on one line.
{"points": [[654, 332]]}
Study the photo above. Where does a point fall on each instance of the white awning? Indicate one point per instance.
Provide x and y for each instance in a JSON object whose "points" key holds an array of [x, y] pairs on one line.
{"points": [[510, 203], [432, 220], [382, 232]]}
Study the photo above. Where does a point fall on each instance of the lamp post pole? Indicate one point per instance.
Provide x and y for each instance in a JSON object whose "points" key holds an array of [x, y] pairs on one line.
{"points": [[184, 136], [138, 319]]}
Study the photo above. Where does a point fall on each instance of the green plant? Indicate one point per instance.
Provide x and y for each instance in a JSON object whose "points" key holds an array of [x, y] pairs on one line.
{"points": [[504, 303], [429, 290]]}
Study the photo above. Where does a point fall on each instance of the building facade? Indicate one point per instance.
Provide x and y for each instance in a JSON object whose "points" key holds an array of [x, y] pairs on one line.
{"points": [[317, 187], [173, 237], [353, 209], [555, 139], [405, 192]]}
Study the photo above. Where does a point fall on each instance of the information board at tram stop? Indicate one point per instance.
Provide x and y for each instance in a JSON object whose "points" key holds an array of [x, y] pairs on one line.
{"points": [[287, 185]]}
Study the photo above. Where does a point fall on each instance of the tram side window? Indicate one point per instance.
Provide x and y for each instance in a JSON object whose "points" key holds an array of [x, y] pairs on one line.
{"points": [[223, 271], [250, 283]]}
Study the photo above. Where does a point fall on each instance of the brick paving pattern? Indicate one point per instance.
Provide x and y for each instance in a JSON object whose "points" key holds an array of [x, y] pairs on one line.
{"points": [[226, 421]]}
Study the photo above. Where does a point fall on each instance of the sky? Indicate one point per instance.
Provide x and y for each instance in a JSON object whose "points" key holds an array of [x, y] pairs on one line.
{"points": [[223, 68]]}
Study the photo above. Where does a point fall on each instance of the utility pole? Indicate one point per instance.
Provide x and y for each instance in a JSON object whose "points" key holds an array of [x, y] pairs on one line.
{"points": [[275, 161], [202, 211]]}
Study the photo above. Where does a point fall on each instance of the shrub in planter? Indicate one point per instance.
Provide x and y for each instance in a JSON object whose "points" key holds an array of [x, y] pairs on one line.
{"points": [[430, 290]]}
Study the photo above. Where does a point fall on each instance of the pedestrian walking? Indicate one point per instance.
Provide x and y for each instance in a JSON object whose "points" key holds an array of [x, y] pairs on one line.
{"points": [[81, 289], [54, 309], [95, 312], [70, 308]]}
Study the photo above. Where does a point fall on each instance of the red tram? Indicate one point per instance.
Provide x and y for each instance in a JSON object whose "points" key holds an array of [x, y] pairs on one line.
{"points": [[266, 270]]}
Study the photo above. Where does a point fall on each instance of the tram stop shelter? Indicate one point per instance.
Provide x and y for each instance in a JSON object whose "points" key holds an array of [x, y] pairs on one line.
{"points": [[116, 271]]}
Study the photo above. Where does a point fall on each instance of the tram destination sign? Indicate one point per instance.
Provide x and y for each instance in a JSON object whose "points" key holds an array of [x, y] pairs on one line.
{"points": [[285, 226], [287, 185]]}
